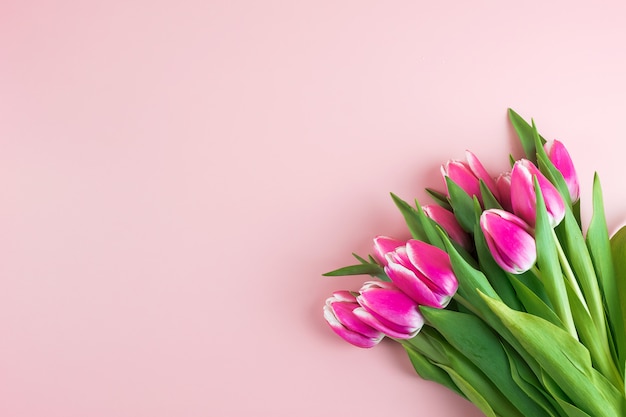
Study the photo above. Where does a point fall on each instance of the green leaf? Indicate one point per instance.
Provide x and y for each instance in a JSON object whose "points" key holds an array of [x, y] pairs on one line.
{"points": [[618, 252], [528, 382], [411, 217], [580, 261], [426, 370], [600, 251], [470, 392], [548, 262], [561, 357], [359, 258], [558, 394], [361, 269], [478, 343], [534, 304], [439, 198], [525, 134], [429, 226], [489, 200], [462, 205]]}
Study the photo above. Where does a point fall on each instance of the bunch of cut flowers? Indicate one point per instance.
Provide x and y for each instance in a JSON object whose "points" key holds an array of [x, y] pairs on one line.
{"points": [[500, 295]]}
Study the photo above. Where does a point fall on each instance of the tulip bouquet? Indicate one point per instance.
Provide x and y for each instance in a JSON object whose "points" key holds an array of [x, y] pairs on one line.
{"points": [[500, 295]]}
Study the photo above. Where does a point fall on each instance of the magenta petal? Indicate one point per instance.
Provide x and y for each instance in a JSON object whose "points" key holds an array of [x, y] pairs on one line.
{"points": [[512, 247], [413, 286], [503, 184], [523, 198], [344, 312], [434, 264], [350, 336], [383, 245], [393, 305], [481, 173], [449, 223], [463, 177], [559, 156], [385, 327]]}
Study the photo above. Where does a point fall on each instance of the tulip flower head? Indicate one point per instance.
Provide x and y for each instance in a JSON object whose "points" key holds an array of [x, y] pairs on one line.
{"points": [[558, 155], [388, 310], [448, 222], [468, 174], [423, 272], [383, 245], [503, 184], [339, 313], [524, 199], [509, 240]]}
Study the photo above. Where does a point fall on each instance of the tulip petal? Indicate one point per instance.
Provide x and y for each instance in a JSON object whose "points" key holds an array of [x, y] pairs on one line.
{"points": [[384, 326], [503, 184], [434, 264], [462, 175], [512, 247], [348, 335], [393, 305], [559, 156], [344, 312], [383, 245], [481, 173], [449, 223], [412, 285]]}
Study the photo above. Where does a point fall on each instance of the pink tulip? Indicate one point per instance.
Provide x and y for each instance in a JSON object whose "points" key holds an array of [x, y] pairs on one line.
{"points": [[467, 175], [509, 240], [523, 198], [563, 162], [383, 245], [339, 313], [423, 272], [388, 310], [448, 222], [503, 184]]}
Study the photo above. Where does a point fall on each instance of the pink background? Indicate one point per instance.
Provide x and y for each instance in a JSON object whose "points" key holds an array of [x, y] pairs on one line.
{"points": [[176, 175]]}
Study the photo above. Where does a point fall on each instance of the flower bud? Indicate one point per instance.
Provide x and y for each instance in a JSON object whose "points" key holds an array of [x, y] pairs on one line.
{"points": [[509, 240], [388, 310], [563, 162], [503, 184], [383, 245], [448, 222], [339, 313], [467, 175], [423, 272], [524, 199]]}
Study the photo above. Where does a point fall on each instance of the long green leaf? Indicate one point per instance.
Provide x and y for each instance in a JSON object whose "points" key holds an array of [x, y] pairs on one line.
{"points": [[561, 357], [478, 343], [525, 134], [462, 205], [430, 372], [618, 252], [534, 304], [600, 251], [411, 217], [548, 262], [471, 392], [529, 383], [439, 198], [361, 269]]}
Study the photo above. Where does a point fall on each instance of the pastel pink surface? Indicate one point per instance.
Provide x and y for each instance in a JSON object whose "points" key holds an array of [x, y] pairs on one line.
{"points": [[175, 176]]}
